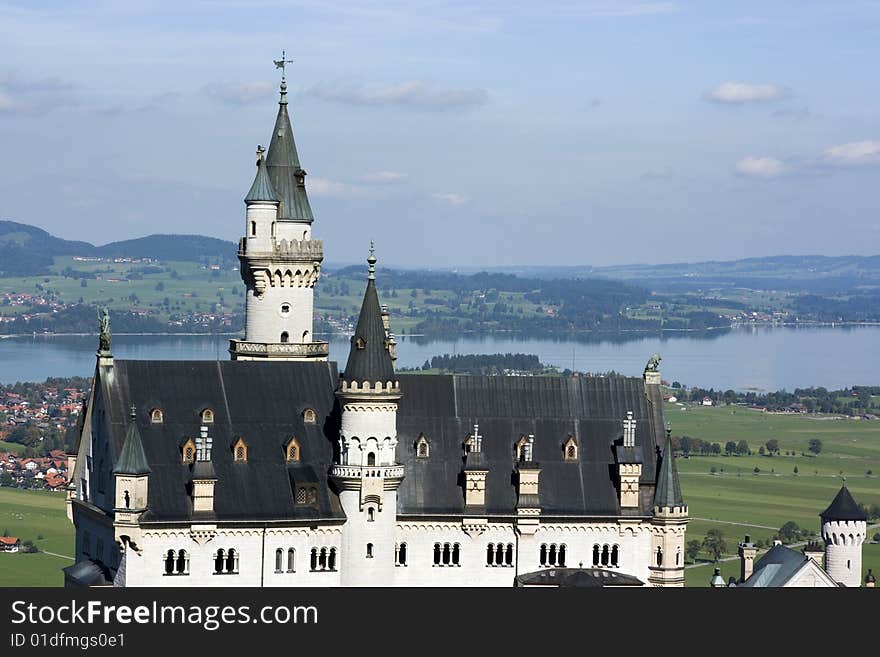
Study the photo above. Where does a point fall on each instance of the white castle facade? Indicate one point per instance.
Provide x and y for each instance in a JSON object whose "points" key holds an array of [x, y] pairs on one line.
{"points": [[275, 469]]}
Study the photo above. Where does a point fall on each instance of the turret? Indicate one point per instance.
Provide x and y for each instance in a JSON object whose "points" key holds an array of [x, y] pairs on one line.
{"points": [[132, 479], [280, 262], [844, 529], [668, 524], [747, 552], [367, 473]]}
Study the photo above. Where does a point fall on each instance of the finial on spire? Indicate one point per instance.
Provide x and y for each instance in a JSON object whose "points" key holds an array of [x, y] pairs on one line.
{"points": [[260, 152], [133, 412], [281, 63], [372, 261]]}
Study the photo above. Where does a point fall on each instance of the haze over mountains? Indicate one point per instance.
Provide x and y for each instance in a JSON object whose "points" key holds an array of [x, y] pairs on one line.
{"points": [[28, 250]]}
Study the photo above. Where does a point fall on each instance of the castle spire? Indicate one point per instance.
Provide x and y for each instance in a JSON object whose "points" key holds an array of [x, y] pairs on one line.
{"points": [[282, 164], [132, 459], [261, 190], [668, 493], [369, 358]]}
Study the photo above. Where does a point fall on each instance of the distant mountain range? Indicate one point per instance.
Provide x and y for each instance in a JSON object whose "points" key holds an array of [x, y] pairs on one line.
{"points": [[27, 250]]}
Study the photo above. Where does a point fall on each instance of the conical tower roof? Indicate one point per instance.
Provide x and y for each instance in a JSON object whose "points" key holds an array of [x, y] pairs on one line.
{"points": [[668, 491], [132, 459], [283, 167], [843, 507], [369, 359], [261, 190]]}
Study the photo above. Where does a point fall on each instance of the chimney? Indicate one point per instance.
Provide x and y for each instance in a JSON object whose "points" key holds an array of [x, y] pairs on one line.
{"points": [[747, 552], [204, 477], [717, 581], [815, 551]]}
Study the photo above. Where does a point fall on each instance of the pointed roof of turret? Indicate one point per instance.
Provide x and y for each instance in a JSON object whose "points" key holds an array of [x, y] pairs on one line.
{"points": [[369, 358], [843, 507], [132, 459], [668, 491], [285, 172], [261, 190]]}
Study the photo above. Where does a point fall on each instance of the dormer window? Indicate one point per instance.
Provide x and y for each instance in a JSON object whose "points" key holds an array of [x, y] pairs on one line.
{"points": [[188, 451], [156, 416], [306, 495], [292, 450], [239, 450], [520, 448], [360, 343], [207, 416], [570, 449], [423, 448], [309, 416]]}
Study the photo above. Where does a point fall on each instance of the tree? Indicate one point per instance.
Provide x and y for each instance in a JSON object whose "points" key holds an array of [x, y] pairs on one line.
{"points": [[730, 447], [714, 544], [790, 532], [795, 469], [742, 448], [815, 445], [772, 446], [761, 450], [693, 547]]}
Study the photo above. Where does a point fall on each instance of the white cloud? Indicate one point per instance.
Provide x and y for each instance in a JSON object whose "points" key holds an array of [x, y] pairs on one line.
{"points": [[415, 94], [760, 167], [34, 97], [383, 177], [854, 153], [744, 92], [322, 187], [451, 198], [240, 93]]}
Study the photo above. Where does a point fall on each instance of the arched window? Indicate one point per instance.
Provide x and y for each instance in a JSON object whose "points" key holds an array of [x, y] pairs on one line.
{"points": [[309, 416], [677, 556], [169, 562], [207, 416], [508, 555], [369, 550], [437, 559], [305, 336], [232, 561], [291, 560], [596, 554], [127, 499], [322, 559], [447, 554], [239, 450], [273, 229], [371, 459], [659, 556], [371, 514], [189, 451], [219, 560], [182, 562], [285, 309], [313, 559], [291, 450], [285, 336], [279, 557], [456, 554], [543, 558], [499, 554], [570, 449], [490, 554], [400, 555], [551, 557], [422, 447], [253, 229], [605, 555], [156, 416], [520, 448], [560, 559], [331, 564], [615, 555]]}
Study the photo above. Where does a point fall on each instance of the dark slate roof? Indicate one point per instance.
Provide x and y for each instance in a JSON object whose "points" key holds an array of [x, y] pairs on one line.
{"points": [[259, 401], [282, 163], [778, 565], [132, 460], [577, 577], [86, 573], [373, 362], [668, 486], [843, 507], [445, 408], [261, 189]]}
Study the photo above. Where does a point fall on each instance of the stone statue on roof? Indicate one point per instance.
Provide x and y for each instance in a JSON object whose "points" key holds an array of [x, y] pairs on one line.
{"points": [[653, 363], [104, 334]]}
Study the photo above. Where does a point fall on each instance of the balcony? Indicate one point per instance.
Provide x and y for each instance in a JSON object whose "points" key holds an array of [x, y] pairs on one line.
{"points": [[244, 350]]}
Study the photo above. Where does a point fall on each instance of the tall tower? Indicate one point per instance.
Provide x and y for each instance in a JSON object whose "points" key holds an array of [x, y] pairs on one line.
{"points": [[668, 524], [844, 529], [367, 473], [280, 262]]}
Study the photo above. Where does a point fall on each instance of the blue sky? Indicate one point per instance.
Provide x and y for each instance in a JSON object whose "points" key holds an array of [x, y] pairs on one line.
{"points": [[472, 133]]}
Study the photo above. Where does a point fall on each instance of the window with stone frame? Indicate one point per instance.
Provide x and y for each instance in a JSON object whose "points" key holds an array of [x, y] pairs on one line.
{"points": [[310, 416], [239, 450], [207, 416], [292, 450], [188, 451], [157, 416], [423, 447], [520, 448], [570, 449]]}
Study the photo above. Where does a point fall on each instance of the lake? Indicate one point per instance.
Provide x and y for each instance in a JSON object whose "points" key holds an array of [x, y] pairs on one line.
{"points": [[760, 358]]}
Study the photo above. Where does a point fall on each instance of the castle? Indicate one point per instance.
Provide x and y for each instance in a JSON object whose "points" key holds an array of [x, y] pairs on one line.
{"points": [[275, 469]]}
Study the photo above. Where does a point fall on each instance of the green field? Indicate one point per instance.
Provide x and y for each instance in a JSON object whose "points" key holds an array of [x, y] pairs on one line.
{"points": [[28, 515]]}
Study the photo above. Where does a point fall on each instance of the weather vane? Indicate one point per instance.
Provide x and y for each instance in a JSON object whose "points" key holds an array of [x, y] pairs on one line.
{"points": [[281, 63]]}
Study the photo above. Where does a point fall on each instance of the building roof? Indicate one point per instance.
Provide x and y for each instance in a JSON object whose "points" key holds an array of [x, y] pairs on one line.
{"points": [[132, 459], [369, 358], [577, 577], [843, 507], [668, 486], [9, 540], [261, 189], [283, 167], [779, 566], [86, 573]]}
